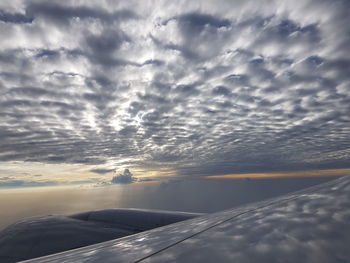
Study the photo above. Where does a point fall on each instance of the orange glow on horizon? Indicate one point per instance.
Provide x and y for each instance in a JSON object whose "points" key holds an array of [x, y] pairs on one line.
{"points": [[313, 173]]}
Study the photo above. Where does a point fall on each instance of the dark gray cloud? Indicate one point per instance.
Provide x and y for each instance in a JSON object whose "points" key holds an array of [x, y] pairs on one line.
{"points": [[15, 18], [197, 21], [102, 171], [23, 183], [202, 88], [61, 14]]}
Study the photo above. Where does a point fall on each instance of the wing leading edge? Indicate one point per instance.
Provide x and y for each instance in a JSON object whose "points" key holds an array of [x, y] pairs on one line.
{"points": [[312, 225]]}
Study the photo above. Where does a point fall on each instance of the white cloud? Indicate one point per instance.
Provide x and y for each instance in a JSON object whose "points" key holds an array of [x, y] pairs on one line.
{"points": [[89, 83]]}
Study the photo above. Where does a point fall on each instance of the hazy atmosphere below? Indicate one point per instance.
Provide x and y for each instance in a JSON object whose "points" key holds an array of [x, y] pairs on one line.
{"points": [[200, 195]]}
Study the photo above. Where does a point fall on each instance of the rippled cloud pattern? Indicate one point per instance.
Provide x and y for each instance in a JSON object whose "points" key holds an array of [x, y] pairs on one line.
{"points": [[203, 88]]}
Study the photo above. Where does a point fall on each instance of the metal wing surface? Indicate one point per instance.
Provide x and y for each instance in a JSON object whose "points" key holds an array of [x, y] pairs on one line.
{"points": [[312, 225]]}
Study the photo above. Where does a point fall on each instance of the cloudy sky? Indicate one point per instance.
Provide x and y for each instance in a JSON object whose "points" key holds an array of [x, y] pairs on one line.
{"points": [[184, 88]]}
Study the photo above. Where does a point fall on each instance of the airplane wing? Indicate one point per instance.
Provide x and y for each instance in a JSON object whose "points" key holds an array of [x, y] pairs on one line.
{"points": [[312, 225]]}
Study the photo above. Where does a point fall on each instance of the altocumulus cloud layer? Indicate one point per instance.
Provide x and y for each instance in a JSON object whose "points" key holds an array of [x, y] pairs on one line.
{"points": [[196, 87]]}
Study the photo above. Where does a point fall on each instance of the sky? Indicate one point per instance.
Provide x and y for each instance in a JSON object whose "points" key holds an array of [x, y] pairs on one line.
{"points": [[172, 88]]}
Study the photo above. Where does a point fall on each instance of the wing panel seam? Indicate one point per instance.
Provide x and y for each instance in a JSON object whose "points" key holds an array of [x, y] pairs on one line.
{"points": [[300, 192]]}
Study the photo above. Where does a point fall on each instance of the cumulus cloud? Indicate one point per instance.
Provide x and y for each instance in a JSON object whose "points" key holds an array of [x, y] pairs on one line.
{"points": [[125, 178], [196, 88]]}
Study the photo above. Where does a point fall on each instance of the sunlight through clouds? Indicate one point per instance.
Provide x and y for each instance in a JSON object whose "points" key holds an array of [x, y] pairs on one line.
{"points": [[195, 88]]}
